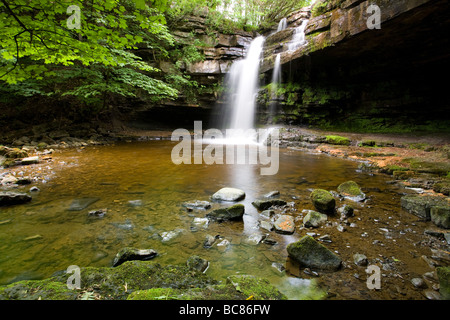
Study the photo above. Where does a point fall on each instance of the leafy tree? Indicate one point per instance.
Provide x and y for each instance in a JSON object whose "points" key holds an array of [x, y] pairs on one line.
{"points": [[40, 49]]}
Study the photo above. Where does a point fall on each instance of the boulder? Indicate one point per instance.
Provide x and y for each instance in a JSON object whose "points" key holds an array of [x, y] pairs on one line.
{"points": [[231, 213], [323, 201], [284, 224], [311, 254], [314, 219], [228, 194], [265, 204], [440, 216], [351, 191], [128, 254], [443, 274], [12, 198], [420, 205]]}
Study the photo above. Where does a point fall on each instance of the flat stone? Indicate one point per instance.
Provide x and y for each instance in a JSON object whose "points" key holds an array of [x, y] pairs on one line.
{"points": [[30, 160], [228, 194], [284, 224]]}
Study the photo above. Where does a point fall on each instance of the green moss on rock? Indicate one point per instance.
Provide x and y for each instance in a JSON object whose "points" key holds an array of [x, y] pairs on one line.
{"points": [[443, 274], [337, 140], [323, 201]]}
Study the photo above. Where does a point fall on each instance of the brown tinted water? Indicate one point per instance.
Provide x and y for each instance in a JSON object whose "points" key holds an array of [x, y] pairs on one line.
{"points": [[43, 236]]}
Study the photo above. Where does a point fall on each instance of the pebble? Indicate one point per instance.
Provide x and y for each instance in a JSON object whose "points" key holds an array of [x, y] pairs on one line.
{"points": [[418, 283]]}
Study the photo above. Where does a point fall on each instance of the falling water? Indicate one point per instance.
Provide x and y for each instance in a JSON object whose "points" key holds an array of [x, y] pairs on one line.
{"points": [[299, 37], [243, 86], [276, 80], [282, 25]]}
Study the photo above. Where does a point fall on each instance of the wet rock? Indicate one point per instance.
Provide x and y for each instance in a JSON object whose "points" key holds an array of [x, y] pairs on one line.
{"points": [[201, 222], [209, 241], [272, 194], [310, 253], [346, 211], [323, 201], [284, 224], [351, 190], [100, 213], [266, 225], [360, 259], [228, 194], [24, 181], [254, 239], [196, 205], [440, 216], [30, 160], [432, 295], [443, 274], [9, 179], [167, 236], [128, 254], [418, 283], [314, 219], [265, 204], [34, 189], [279, 267], [325, 238], [267, 213], [231, 213], [197, 263], [81, 203], [13, 198], [421, 205]]}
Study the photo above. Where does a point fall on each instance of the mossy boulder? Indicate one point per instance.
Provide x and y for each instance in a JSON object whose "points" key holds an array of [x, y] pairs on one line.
{"points": [[234, 212], [351, 190], [47, 289], [323, 201], [337, 140], [312, 254], [443, 274], [255, 288]]}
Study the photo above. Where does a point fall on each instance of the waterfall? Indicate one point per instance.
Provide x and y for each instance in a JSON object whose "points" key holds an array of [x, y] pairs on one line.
{"points": [[276, 80], [299, 37], [243, 87], [282, 25]]}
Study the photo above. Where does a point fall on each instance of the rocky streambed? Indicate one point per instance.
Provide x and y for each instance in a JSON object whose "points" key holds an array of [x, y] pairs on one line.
{"points": [[350, 215]]}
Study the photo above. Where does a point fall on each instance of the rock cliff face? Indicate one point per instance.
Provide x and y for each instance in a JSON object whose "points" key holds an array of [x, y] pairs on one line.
{"points": [[219, 50], [361, 78]]}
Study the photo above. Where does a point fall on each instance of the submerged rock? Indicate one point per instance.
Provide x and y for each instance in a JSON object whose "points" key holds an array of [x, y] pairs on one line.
{"points": [[323, 201], [265, 204], [228, 194], [82, 203], [196, 204], [13, 198], [231, 213], [310, 253], [128, 254], [351, 190], [440, 216], [197, 263]]}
